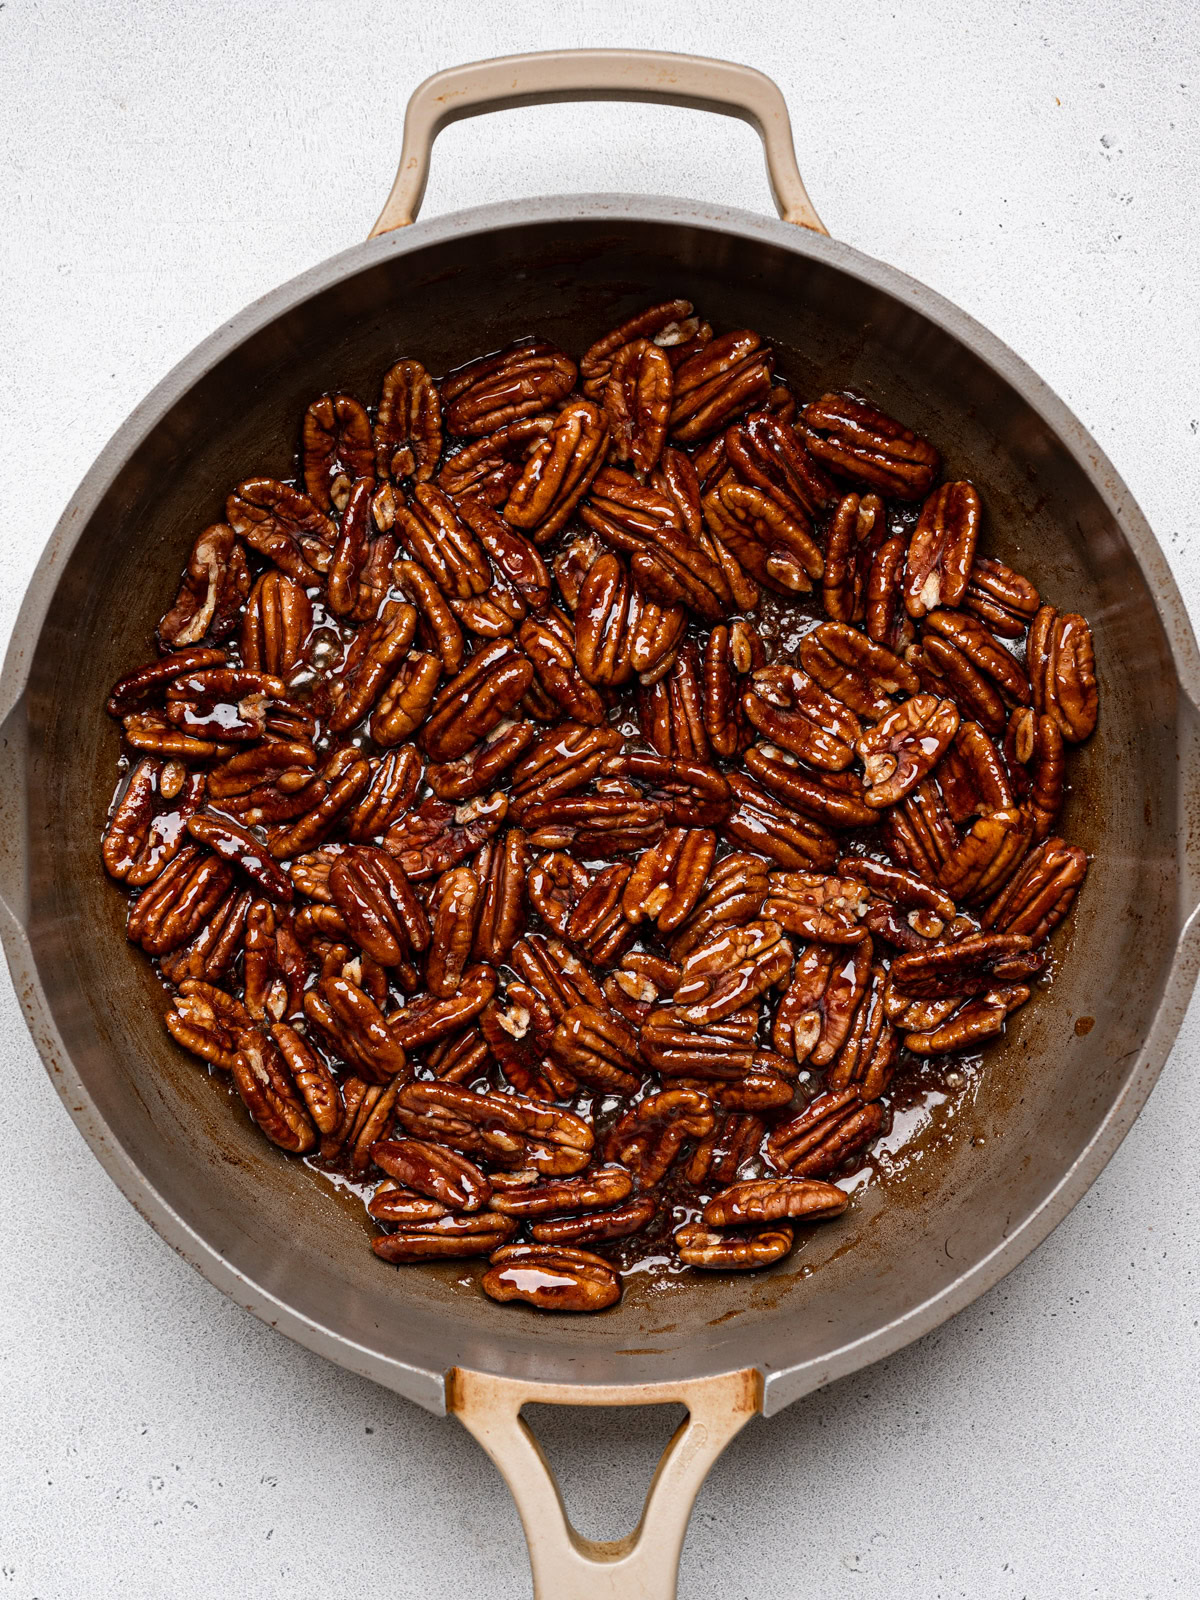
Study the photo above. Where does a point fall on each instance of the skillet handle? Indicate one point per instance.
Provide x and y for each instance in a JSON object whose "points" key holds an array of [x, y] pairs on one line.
{"points": [[645, 1564], [557, 75]]}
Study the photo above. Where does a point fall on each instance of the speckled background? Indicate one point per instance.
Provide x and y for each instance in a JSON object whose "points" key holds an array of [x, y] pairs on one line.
{"points": [[165, 163]]}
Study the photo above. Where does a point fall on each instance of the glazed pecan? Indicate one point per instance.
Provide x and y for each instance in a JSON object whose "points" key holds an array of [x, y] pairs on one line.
{"points": [[941, 551], [448, 1238], [761, 822], [146, 829], [973, 775], [667, 561], [669, 324], [966, 967], [596, 825], [816, 1011], [598, 1048], [816, 906], [729, 971], [408, 425], [858, 529], [1039, 896], [434, 1171], [704, 1247], [772, 1199], [887, 622], [767, 452], [1062, 669], [342, 781], [383, 916], [671, 711], [656, 636], [514, 556], [648, 1137], [604, 619], [856, 441], [596, 1226], [553, 1277], [866, 1060], [898, 752], [436, 836], [215, 585], [337, 448], [676, 1049], [1036, 756], [559, 471], [549, 642], [732, 653], [520, 381], [786, 706], [637, 403], [207, 1021], [770, 539], [354, 1027], [487, 689], [276, 625], [437, 624], [508, 1130], [854, 669], [487, 468], [285, 526], [261, 1077], [669, 878], [180, 899], [211, 954], [1004, 599], [233, 842], [403, 704], [972, 1025], [394, 780], [724, 378], [370, 665], [836, 799], [434, 535], [604, 1186], [831, 1128], [986, 856]]}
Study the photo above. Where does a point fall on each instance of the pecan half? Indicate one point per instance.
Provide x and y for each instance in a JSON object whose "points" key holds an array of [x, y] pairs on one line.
{"points": [[449, 1238], [836, 799], [704, 1247], [180, 899], [1004, 599], [967, 966], [432, 532], [276, 625], [1039, 896], [856, 441], [723, 379], [649, 1136], [261, 1077], [434, 1171], [436, 836], [549, 642], [487, 689], [829, 1130], [354, 1027], [976, 1022], [772, 1199], [732, 653], [769, 538], [508, 1130], [667, 561], [147, 826], [858, 529], [1062, 669], [816, 1011], [854, 669], [637, 403], [669, 324], [598, 1048], [898, 752], [785, 705], [552, 1277], [767, 452], [941, 551], [207, 1021], [520, 381], [285, 526], [559, 471], [337, 448], [215, 584], [383, 916], [408, 424], [762, 823], [816, 906], [669, 878], [488, 467], [730, 970]]}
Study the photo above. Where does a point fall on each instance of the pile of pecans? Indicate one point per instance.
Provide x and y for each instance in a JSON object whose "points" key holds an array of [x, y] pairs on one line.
{"points": [[580, 793]]}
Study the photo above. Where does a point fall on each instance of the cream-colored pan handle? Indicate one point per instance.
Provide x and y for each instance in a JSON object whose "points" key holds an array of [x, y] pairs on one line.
{"points": [[554, 75], [645, 1564]]}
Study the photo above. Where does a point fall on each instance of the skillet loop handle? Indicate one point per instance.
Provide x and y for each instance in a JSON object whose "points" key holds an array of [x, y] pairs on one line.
{"points": [[557, 75], [645, 1564]]}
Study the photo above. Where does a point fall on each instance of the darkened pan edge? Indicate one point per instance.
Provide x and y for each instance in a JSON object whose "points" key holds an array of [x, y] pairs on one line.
{"points": [[425, 1386]]}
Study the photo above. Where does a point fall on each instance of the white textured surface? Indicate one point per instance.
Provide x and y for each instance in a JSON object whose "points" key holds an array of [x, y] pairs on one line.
{"points": [[165, 163]]}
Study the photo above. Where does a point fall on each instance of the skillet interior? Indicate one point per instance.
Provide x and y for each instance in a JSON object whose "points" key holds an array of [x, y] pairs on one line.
{"points": [[1046, 1090]]}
